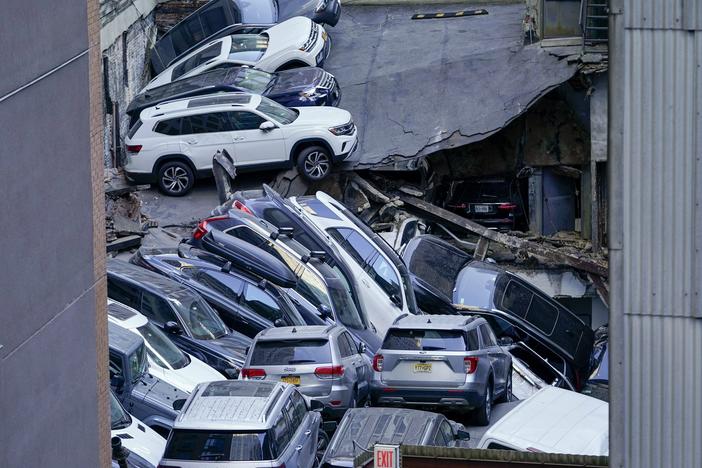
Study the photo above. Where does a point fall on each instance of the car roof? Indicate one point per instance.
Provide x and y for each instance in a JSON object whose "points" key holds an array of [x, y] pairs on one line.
{"points": [[231, 404], [199, 104], [125, 316], [154, 282], [123, 340], [434, 322], [557, 421], [305, 331], [361, 428]]}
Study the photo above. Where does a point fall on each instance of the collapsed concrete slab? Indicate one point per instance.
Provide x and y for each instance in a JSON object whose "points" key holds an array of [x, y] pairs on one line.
{"points": [[416, 87]]}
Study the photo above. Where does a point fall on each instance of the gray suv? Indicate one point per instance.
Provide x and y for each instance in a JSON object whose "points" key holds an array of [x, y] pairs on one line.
{"points": [[442, 360], [232, 423], [322, 360]]}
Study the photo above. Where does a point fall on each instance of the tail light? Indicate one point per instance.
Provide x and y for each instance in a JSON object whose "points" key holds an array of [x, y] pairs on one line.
{"points": [[507, 206], [240, 206], [378, 362], [253, 374], [202, 228], [134, 148], [470, 363], [329, 372]]}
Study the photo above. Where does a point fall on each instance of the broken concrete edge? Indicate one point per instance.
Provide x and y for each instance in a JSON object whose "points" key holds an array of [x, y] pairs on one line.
{"points": [[124, 243], [429, 3]]}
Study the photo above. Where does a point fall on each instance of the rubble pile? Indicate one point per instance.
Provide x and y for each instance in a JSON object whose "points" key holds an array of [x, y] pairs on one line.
{"points": [[125, 224]]}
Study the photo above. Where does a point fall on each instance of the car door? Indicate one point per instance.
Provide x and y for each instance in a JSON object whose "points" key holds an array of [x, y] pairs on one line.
{"points": [[283, 439], [253, 146], [360, 365], [349, 361], [496, 356], [202, 135], [305, 438], [160, 312]]}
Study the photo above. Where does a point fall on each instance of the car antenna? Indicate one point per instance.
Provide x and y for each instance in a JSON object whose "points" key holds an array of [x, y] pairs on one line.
{"points": [[428, 320], [294, 330]]}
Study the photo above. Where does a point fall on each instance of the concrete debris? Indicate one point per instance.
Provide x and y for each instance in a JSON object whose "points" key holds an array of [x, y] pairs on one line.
{"points": [[355, 198], [290, 183], [124, 222]]}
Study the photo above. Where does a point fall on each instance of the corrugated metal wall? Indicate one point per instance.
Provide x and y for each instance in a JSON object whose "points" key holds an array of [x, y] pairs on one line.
{"points": [[656, 317]]}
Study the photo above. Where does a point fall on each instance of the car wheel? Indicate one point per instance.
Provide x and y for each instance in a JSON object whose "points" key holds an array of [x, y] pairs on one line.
{"points": [[482, 414], [175, 178], [314, 163], [322, 442], [507, 394]]}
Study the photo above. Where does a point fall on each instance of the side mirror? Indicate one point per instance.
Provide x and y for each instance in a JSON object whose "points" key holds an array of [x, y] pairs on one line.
{"points": [[462, 435], [117, 381], [227, 267], [505, 341], [361, 348], [325, 311], [278, 322], [178, 404], [267, 126], [396, 300], [316, 405], [173, 328]]}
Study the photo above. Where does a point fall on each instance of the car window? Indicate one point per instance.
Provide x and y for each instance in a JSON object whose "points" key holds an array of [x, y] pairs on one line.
{"points": [[115, 365], [542, 314], [261, 303], [245, 120], [472, 337], [123, 292], [227, 285], [516, 299], [276, 112], [201, 319], [168, 127], [496, 446], [299, 408], [187, 444], [351, 241], [282, 433], [351, 342], [290, 352], [447, 432], [157, 309], [424, 340], [382, 273], [212, 122], [161, 349], [344, 349], [196, 60], [134, 129], [487, 336], [278, 218]]}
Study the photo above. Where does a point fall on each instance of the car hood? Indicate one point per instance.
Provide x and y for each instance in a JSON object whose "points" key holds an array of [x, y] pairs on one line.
{"points": [[290, 34], [186, 378], [233, 345], [326, 116], [296, 81], [142, 440], [258, 11]]}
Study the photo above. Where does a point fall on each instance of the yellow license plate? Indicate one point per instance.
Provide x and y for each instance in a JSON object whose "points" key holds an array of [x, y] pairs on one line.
{"points": [[291, 379], [422, 367]]}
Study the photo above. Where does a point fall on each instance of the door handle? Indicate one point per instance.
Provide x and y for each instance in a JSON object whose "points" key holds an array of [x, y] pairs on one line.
{"points": [[308, 432], [239, 138], [191, 141], [298, 448]]}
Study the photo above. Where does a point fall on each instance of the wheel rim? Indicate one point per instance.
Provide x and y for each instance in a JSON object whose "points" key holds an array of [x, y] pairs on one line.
{"points": [[509, 388], [488, 403], [316, 164], [175, 179]]}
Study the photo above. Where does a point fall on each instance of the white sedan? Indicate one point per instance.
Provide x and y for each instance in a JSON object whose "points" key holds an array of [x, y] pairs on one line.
{"points": [[297, 42], [166, 361]]}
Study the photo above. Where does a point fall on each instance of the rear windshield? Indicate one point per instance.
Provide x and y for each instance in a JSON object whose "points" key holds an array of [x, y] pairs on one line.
{"points": [[134, 129], [281, 353], [425, 340], [218, 446]]}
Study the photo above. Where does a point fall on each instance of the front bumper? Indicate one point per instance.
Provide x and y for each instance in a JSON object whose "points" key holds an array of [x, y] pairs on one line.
{"points": [[324, 53], [468, 396], [346, 155]]}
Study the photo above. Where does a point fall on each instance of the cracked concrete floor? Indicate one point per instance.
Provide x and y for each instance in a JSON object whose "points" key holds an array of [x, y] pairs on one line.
{"points": [[418, 86]]}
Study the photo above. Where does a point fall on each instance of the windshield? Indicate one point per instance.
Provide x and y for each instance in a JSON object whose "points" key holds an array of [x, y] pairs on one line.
{"points": [[201, 320], [275, 111], [138, 364], [120, 418], [247, 48], [219, 446], [256, 81], [425, 340], [475, 287], [196, 60], [290, 352], [161, 349]]}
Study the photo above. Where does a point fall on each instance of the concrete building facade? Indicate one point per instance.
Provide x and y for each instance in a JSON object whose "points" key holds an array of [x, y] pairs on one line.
{"points": [[53, 343]]}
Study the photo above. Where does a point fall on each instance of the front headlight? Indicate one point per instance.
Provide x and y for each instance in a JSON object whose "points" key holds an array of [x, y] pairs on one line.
{"points": [[346, 129]]}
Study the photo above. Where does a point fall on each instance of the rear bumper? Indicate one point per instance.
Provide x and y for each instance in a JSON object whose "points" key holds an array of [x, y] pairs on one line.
{"points": [[140, 177], [469, 396], [335, 403]]}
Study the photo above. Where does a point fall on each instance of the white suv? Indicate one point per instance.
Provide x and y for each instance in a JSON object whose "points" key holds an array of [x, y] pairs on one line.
{"points": [[174, 142], [297, 42]]}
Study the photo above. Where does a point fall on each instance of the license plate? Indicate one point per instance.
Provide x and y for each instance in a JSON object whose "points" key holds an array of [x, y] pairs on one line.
{"points": [[422, 367], [291, 379], [481, 208]]}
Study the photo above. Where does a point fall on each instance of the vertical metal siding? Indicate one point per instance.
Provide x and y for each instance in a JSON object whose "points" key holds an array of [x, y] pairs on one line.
{"points": [[656, 311]]}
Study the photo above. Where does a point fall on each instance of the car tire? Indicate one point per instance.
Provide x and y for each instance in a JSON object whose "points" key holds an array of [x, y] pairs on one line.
{"points": [[322, 443], [482, 414], [506, 396], [175, 178], [314, 163]]}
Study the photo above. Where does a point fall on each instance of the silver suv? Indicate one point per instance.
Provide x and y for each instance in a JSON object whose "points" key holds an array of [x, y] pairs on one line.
{"points": [[322, 361], [233, 423], [442, 360]]}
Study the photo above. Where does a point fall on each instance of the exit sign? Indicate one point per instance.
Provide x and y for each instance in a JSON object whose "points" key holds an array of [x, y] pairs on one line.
{"points": [[386, 456]]}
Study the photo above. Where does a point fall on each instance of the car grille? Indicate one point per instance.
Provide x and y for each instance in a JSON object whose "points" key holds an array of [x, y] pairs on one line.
{"points": [[327, 81]]}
